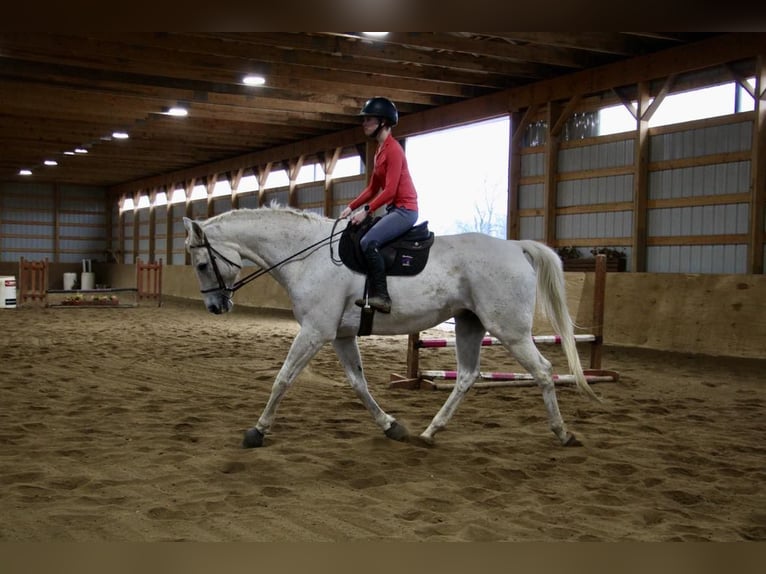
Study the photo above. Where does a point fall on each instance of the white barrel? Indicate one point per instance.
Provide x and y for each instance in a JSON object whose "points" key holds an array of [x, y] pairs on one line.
{"points": [[87, 281], [8, 292], [69, 280]]}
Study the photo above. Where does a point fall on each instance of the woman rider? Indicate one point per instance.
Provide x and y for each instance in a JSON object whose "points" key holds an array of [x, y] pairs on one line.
{"points": [[391, 185]]}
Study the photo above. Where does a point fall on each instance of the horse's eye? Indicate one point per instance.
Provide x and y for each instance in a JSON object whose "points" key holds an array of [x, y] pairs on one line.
{"points": [[201, 267]]}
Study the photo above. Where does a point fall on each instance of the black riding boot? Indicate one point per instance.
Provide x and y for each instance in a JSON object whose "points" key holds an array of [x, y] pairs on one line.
{"points": [[378, 288]]}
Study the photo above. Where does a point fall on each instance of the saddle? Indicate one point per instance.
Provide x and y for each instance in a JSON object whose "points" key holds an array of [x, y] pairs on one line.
{"points": [[405, 255]]}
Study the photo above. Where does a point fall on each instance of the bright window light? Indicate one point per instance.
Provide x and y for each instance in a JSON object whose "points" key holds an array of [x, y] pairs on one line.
{"points": [[120, 135], [127, 204], [161, 198], [253, 80], [178, 112], [25, 172], [375, 34], [68, 153], [199, 192], [682, 107], [277, 179], [248, 183], [310, 173], [50, 162], [80, 150], [347, 167], [179, 196], [143, 202], [222, 187]]}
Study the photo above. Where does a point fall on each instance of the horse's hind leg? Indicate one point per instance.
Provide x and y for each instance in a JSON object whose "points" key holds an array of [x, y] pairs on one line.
{"points": [[469, 331], [348, 353], [540, 368]]}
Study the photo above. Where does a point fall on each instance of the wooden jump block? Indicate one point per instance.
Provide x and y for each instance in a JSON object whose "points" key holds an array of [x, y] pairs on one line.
{"points": [[149, 281], [33, 282]]}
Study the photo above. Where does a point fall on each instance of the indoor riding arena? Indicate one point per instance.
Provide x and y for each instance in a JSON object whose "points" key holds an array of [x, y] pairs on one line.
{"points": [[124, 400]]}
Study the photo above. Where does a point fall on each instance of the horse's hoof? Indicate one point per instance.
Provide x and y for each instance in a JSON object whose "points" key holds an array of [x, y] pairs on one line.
{"points": [[422, 442], [572, 441], [253, 438], [397, 432]]}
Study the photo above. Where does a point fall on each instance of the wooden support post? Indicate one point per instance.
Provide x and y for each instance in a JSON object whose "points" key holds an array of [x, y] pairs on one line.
{"points": [[599, 289]]}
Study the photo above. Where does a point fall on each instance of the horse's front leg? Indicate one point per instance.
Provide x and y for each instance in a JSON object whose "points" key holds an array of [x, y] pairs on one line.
{"points": [[348, 352], [304, 347]]}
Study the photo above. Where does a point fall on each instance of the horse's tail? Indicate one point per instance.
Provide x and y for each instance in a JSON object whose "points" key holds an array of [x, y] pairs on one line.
{"points": [[551, 288]]}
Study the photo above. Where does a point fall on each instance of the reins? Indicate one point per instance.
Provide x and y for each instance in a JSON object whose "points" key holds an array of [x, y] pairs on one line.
{"points": [[212, 252]]}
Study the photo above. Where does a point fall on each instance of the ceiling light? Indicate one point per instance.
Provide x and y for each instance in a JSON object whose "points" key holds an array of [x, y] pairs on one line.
{"points": [[120, 135], [253, 80], [68, 153], [50, 162], [177, 111], [25, 172], [80, 150]]}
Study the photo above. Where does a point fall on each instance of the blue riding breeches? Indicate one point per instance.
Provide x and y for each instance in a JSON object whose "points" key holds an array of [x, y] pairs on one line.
{"points": [[394, 223]]}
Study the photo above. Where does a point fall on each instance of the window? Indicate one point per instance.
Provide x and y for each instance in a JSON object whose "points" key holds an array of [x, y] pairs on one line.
{"points": [[682, 107]]}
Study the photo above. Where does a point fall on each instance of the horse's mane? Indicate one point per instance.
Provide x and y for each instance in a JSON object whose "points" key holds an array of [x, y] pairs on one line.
{"points": [[274, 207]]}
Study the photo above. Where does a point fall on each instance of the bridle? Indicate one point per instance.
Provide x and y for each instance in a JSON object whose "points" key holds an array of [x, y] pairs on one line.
{"points": [[214, 254]]}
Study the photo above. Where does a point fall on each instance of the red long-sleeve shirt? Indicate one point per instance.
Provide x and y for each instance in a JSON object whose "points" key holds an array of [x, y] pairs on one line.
{"points": [[391, 177]]}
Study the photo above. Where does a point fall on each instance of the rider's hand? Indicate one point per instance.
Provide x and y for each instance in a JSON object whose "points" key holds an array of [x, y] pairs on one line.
{"points": [[345, 213], [358, 217]]}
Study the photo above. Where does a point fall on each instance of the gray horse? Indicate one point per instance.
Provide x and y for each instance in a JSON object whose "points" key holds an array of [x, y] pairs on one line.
{"points": [[486, 284]]}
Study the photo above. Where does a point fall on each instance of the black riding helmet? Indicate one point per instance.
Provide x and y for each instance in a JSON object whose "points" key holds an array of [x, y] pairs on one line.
{"points": [[381, 108]]}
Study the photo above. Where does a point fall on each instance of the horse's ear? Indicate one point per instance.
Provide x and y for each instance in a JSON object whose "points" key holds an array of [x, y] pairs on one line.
{"points": [[193, 228]]}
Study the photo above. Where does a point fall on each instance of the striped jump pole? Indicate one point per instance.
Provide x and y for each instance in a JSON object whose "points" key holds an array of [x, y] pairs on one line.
{"points": [[424, 379]]}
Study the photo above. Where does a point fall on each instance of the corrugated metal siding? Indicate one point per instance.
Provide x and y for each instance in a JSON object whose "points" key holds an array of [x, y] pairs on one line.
{"points": [[725, 178], [596, 190], [715, 179], [280, 195], [128, 243], [221, 204], [701, 141], [605, 224], [347, 189], [731, 218], [248, 200], [598, 156], [697, 259], [309, 195], [531, 228], [532, 164]]}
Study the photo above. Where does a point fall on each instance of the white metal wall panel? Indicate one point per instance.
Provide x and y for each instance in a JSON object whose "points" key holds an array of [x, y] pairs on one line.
{"points": [[128, 243], [531, 196], [280, 195], [531, 228], [309, 195], [532, 164], [597, 156], [248, 200], [604, 224], [221, 204], [344, 190], [697, 259], [597, 190], [728, 219], [716, 179], [178, 236], [701, 141]]}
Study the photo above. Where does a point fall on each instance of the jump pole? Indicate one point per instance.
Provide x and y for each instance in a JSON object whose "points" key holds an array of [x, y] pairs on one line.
{"points": [[415, 379]]}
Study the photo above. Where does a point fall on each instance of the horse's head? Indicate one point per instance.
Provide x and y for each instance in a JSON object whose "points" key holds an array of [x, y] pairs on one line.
{"points": [[217, 266]]}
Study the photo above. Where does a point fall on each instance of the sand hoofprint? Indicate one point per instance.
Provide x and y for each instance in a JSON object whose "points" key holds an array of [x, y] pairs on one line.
{"points": [[125, 425]]}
